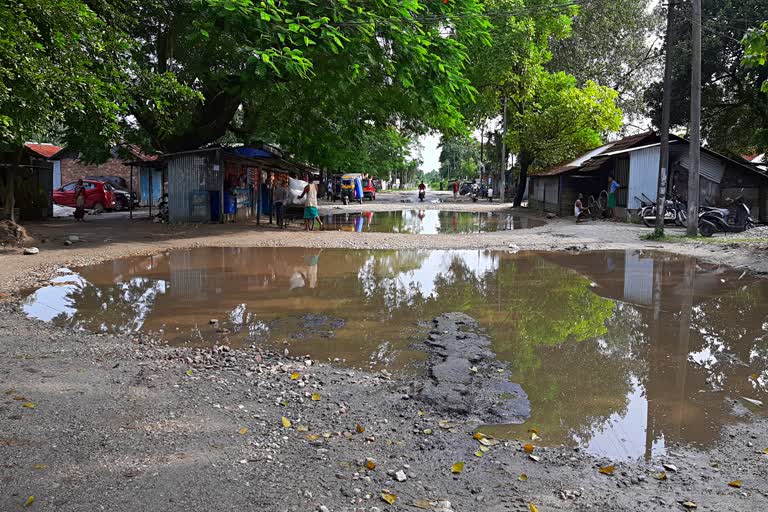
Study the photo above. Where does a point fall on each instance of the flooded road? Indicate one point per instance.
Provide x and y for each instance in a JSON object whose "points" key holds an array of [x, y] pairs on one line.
{"points": [[428, 222], [622, 354]]}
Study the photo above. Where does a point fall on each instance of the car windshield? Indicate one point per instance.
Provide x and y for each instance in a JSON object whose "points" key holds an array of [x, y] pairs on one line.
{"points": [[108, 187], [346, 182]]}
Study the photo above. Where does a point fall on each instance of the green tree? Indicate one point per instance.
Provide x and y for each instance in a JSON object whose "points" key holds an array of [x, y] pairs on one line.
{"points": [[734, 109], [59, 78], [613, 43], [459, 157], [756, 49]]}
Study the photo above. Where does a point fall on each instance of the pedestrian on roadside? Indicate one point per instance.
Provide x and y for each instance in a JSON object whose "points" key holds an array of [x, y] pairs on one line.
{"points": [[80, 201], [280, 201], [455, 189], [310, 205], [613, 186], [329, 189]]}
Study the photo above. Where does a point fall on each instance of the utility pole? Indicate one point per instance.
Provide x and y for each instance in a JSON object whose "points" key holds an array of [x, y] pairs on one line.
{"points": [[695, 141], [661, 194], [503, 166]]}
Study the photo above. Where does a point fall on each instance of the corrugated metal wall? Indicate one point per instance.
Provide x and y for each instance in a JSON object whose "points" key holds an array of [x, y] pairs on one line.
{"points": [[643, 176], [711, 168], [188, 174]]}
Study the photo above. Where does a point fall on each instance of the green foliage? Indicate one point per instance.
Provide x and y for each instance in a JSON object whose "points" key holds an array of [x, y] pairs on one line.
{"points": [[756, 49], [734, 108], [59, 66], [562, 120], [614, 43], [459, 157]]}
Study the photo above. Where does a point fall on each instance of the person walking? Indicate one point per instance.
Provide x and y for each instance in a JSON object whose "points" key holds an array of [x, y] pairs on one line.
{"points": [[310, 205], [279, 201], [455, 189], [613, 186], [329, 189], [79, 201]]}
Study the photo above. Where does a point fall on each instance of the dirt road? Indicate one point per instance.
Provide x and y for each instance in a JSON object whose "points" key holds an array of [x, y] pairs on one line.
{"points": [[122, 423]]}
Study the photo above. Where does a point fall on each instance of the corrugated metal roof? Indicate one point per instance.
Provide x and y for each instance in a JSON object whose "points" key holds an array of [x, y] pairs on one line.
{"points": [[44, 150]]}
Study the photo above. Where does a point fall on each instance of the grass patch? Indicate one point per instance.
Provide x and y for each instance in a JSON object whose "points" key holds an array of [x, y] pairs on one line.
{"points": [[654, 237]]}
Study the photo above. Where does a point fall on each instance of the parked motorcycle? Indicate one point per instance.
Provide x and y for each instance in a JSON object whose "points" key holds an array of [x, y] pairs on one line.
{"points": [[715, 220], [162, 206], [675, 212]]}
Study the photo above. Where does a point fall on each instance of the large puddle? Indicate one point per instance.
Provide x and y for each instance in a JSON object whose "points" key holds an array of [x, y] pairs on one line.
{"points": [[622, 354], [428, 222]]}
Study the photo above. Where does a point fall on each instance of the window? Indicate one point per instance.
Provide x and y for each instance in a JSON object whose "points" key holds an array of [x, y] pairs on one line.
{"points": [[89, 186], [70, 187]]}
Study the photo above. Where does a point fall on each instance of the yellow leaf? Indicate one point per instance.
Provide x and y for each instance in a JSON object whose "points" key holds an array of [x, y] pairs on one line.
{"points": [[532, 507], [533, 431], [286, 422], [660, 476], [428, 431], [479, 453], [420, 413], [359, 429], [370, 464], [295, 375], [528, 448], [523, 477], [29, 501], [302, 428], [422, 504], [40, 466], [765, 451], [754, 376], [189, 373], [315, 397], [388, 497], [534, 436], [484, 449], [28, 405], [457, 468], [735, 483], [607, 470], [313, 437], [479, 436], [243, 431]]}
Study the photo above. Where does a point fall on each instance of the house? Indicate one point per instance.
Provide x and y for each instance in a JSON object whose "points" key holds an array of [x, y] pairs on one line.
{"points": [[634, 163], [237, 177], [26, 182]]}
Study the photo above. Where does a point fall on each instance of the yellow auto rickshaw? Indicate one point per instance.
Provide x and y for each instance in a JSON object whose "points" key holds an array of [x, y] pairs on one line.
{"points": [[352, 188]]}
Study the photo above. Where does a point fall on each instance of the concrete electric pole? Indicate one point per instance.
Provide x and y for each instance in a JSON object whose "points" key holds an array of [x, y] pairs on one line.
{"points": [[695, 128]]}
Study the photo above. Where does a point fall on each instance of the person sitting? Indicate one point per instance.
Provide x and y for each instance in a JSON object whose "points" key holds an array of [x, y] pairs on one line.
{"points": [[578, 208]]}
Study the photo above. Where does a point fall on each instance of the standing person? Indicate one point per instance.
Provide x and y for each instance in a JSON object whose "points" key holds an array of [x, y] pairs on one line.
{"points": [[329, 189], [310, 205], [613, 186], [79, 201], [455, 189], [279, 201]]}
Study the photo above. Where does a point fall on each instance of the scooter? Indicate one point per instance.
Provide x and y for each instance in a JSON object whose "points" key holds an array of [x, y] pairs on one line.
{"points": [[474, 192], [715, 220], [422, 195]]}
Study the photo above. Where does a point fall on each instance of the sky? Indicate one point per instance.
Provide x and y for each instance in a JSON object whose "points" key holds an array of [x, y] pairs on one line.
{"points": [[431, 153]]}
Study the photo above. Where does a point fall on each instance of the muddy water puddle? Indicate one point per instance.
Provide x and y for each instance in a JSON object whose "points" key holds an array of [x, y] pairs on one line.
{"points": [[428, 222], [621, 354]]}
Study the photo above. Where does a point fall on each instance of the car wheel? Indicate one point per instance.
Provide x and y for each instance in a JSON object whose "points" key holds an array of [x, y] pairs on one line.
{"points": [[120, 204], [98, 207]]}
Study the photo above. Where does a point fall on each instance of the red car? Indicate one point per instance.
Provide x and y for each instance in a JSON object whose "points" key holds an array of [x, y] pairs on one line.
{"points": [[369, 190], [98, 195]]}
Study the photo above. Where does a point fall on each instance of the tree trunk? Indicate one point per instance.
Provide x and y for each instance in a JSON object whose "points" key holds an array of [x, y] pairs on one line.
{"points": [[525, 163]]}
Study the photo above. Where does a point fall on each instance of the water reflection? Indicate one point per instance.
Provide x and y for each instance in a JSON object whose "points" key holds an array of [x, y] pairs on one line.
{"points": [[623, 354], [428, 222]]}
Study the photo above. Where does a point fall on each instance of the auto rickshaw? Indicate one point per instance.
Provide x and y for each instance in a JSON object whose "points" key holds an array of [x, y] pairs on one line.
{"points": [[351, 188]]}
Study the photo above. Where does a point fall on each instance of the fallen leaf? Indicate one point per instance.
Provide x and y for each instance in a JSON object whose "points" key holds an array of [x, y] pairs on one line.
{"points": [[485, 441], [534, 436], [326, 435], [735, 483], [670, 467], [533, 431], [532, 507], [523, 477], [660, 476], [370, 464], [40, 466], [359, 428], [420, 413], [295, 375], [19, 398], [608, 470], [755, 376], [286, 422], [473, 369], [313, 437], [388, 497], [479, 436], [422, 504], [528, 448], [189, 373], [243, 431], [479, 453], [534, 458], [302, 428], [765, 451], [484, 449], [315, 397], [758, 403], [29, 501], [427, 431], [444, 424], [28, 405], [457, 468], [689, 505]]}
